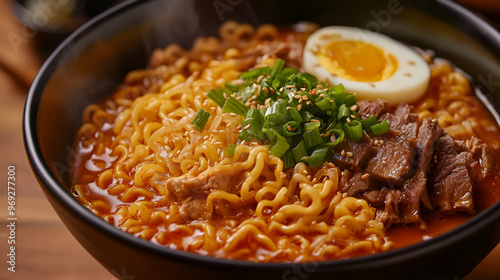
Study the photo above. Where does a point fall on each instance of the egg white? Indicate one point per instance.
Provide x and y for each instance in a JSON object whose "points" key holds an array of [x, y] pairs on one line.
{"points": [[407, 84]]}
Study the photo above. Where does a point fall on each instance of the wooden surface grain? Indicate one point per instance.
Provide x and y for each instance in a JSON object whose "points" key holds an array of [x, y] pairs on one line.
{"points": [[45, 250]]}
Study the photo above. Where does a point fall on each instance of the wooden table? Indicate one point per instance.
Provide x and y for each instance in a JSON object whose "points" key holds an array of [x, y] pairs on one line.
{"points": [[45, 248]]}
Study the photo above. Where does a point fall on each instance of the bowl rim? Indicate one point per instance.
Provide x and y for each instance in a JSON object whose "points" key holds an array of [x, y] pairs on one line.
{"points": [[50, 184]]}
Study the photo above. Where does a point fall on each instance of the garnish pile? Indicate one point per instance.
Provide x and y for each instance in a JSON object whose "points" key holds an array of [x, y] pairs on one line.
{"points": [[299, 118]]}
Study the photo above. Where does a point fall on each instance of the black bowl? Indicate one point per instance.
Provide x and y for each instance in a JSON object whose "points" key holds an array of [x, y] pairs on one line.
{"points": [[93, 60]]}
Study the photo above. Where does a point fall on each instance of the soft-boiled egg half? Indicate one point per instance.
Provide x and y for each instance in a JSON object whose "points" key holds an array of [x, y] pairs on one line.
{"points": [[369, 64]]}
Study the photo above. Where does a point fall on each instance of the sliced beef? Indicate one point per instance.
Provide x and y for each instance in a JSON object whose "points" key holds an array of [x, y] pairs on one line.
{"points": [[403, 120], [367, 108], [353, 154], [414, 192], [393, 159], [390, 214], [355, 184], [451, 184], [192, 192], [481, 152]]}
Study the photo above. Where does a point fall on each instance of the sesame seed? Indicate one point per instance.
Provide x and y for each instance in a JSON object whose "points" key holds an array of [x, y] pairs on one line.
{"points": [[313, 91], [217, 143], [354, 107], [411, 62], [349, 154], [239, 97], [259, 79], [320, 86], [297, 96], [234, 94], [315, 180], [332, 138], [287, 108], [272, 90], [342, 153], [265, 90], [290, 101], [314, 120], [376, 142], [365, 176], [239, 126], [348, 120], [300, 100], [331, 101], [225, 95], [253, 107], [288, 127], [290, 86], [232, 114], [434, 120], [299, 107], [382, 142], [283, 175], [353, 116], [302, 89], [281, 89], [321, 95]]}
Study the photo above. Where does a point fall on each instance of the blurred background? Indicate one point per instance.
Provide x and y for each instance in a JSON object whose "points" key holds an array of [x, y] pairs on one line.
{"points": [[30, 31]]}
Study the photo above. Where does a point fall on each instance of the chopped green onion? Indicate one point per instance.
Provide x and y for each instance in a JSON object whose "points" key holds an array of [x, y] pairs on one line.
{"points": [[254, 114], [201, 119], [312, 138], [339, 136], [354, 130], [339, 88], [216, 96], [232, 87], [380, 128], [246, 93], [252, 74], [276, 112], [306, 115], [311, 125], [278, 66], [299, 151], [350, 100], [318, 156], [324, 104], [296, 115], [344, 113], [288, 160], [368, 122], [294, 129], [278, 145], [234, 106], [230, 150]]}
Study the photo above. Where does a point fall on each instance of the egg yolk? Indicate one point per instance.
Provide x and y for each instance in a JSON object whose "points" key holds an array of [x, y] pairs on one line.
{"points": [[357, 61]]}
